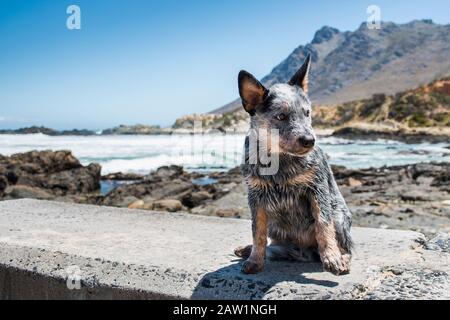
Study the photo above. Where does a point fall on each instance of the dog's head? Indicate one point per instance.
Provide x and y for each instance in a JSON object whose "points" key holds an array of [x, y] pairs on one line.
{"points": [[284, 107]]}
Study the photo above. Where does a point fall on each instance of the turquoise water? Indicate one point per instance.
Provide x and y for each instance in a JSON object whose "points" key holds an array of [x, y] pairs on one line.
{"points": [[141, 154]]}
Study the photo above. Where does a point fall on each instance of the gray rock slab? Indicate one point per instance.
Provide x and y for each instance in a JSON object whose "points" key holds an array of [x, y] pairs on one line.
{"points": [[68, 251], [440, 242]]}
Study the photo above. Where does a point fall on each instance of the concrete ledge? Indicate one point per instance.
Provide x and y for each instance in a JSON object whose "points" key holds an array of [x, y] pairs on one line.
{"points": [[132, 254]]}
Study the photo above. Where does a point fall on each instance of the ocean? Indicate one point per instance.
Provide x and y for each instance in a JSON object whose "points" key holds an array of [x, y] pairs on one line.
{"points": [[141, 154]]}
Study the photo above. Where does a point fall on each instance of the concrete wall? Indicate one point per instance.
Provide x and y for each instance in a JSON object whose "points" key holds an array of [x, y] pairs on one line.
{"points": [[131, 254]]}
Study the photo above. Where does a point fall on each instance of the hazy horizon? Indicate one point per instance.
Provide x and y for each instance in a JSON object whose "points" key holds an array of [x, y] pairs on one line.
{"points": [[150, 62]]}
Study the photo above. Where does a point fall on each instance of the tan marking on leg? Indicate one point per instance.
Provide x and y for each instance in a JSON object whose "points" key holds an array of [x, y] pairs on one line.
{"points": [[330, 253], [255, 262], [305, 178], [257, 183], [307, 239]]}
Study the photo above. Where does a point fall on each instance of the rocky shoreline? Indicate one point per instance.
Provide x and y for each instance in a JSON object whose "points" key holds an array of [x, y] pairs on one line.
{"points": [[409, 137], [48, 131], [414, 197], [346, 132]]}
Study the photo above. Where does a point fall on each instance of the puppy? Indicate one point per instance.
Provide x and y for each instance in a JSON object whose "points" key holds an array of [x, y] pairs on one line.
{"points": [[298, 206]]}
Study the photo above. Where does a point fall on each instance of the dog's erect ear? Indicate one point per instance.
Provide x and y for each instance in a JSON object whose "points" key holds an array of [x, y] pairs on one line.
{"points": [[252, 92], [300, 78]]}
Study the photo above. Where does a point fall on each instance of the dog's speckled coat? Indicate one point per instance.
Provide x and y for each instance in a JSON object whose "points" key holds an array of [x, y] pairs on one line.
{"points": [[300, 207]]}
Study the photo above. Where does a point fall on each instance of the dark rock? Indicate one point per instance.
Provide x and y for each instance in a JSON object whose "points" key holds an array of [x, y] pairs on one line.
{"points": [[194, 199], [440, 243], [415, 196], [75, 132], [400, 135], [153, 187], [49, 132], [324, 34], [170, 205], [81, 180], [35, 162], [57, 173], [30, 130], [133, 130], [12, 177], [172, 182], [119, 176], [26, 192], [169, 171], [3, 184], [441, 180]]}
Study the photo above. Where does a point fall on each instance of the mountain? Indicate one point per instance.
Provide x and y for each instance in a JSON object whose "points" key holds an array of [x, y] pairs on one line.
{"points": [[355, 65]]}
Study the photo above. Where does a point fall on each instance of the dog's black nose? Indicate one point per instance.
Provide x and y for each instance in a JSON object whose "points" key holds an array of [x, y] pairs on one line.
{"points": [[307, 141]]}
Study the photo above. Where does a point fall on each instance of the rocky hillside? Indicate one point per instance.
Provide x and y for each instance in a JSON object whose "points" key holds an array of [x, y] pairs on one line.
{"points": [[420, 114], [354, 65], [426, 106]]}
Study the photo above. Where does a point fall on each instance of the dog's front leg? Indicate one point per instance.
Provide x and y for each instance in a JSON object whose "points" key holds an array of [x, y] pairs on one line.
{"points": [[255, 263], [332, 258]]}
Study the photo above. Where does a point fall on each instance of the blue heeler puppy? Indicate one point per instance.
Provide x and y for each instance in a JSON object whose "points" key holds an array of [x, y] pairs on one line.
{"points": [[299, 207]]}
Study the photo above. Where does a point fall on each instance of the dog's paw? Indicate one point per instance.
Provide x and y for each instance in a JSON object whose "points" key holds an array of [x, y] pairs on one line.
{"points": [[251, 267], [336, 263], [243, 252]]}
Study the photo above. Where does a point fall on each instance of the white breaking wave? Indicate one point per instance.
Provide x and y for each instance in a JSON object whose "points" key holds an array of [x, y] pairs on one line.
{"points": [[141, 154]]}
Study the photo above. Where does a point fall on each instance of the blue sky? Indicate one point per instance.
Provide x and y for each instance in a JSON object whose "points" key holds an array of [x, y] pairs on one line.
{"points": [[144, 61]]}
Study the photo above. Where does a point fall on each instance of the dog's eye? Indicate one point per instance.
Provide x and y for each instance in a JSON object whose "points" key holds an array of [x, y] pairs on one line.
{"points": [[281, 116], [307, 113]]}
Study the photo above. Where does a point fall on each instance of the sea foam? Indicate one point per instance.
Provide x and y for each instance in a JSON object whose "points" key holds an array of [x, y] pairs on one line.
{"points": [[141, 154]]}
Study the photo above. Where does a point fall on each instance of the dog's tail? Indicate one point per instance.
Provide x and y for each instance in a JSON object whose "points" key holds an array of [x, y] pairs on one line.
{"points": [[289, 252]]}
